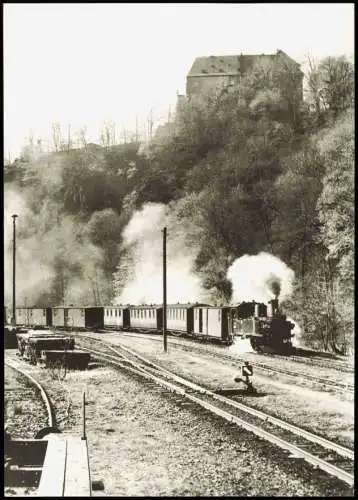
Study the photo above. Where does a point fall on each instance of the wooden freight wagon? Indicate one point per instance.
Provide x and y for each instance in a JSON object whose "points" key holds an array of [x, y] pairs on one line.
{"points": [[212, 321], [117, 316], [78, 317]]}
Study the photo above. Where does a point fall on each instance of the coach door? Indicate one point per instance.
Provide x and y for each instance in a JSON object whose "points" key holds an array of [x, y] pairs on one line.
{"points": [[126, 318], [225, 324], [65, 317], [48, 316], [159, 313], [200, 320]]}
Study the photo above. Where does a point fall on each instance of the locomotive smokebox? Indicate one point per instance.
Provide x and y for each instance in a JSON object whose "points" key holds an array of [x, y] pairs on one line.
{"points": [[273, 307]]}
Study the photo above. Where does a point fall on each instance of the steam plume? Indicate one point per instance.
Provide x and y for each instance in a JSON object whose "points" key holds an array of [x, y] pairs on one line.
{"points": [[260, 277], [142, 241], [55, 260]]}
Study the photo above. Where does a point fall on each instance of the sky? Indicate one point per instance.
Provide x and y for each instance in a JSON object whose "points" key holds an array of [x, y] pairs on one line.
{"points": [[85, 64]]}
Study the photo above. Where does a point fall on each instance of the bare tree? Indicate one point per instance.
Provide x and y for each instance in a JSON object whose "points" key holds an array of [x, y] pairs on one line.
{"points": [[105, 136], [330, 85], [56, 135], [150, 125], [136, 130], [39, 148], [83, 139], [31, 143], [69, 140], [113, 133]]}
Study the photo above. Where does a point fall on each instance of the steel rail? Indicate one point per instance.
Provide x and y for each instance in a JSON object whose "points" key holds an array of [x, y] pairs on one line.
{"points": [[341, 450], [257, 364], [296, 451], [44, 395]]}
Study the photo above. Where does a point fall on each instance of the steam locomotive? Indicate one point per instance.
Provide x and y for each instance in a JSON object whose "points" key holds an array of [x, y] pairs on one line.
{"points": [[264, 325]]}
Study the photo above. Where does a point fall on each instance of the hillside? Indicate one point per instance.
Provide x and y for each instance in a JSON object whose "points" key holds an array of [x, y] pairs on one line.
{"points": [[241, 173]]}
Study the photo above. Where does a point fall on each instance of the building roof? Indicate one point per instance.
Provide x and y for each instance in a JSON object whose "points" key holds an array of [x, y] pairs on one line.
{"points": [[230, 65]]}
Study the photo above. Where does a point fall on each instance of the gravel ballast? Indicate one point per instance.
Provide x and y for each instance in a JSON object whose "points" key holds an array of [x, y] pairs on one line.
{"points": [[142, 442]]}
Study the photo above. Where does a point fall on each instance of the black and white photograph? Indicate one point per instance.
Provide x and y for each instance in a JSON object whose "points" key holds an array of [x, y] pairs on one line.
{"points": [[178, 249]]}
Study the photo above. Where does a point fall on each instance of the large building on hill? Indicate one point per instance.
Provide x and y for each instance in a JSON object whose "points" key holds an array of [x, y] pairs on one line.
{"points": [[216, 72]]}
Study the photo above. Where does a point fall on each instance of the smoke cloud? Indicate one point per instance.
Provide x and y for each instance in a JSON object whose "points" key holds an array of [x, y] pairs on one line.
{"points": [[143, 265], [56, 263], [296, 340], [260, 277]]}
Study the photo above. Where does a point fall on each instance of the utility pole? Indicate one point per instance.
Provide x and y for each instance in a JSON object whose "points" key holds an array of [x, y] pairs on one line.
{"points": [[14, 271], [165, 289]]}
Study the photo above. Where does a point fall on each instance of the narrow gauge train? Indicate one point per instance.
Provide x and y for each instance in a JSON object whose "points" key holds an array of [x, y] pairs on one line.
{"points": [[263, 325]]}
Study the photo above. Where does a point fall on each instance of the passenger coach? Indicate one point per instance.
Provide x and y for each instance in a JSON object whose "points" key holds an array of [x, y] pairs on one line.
{"points": [[212, 321], [180, 317], [117, 316], [34, 316], [78, 317], [146, 317]]}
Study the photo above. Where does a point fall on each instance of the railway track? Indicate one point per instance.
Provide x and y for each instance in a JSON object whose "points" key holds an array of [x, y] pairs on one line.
{"points": [[54, 463], [320, 362], [209, 350], [323, 454], [17, 366]]}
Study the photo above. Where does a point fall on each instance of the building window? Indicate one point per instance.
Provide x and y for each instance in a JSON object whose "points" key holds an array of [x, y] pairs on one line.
{"points": [[115, 312], [44, 312], [119, 312], [82, 312]]}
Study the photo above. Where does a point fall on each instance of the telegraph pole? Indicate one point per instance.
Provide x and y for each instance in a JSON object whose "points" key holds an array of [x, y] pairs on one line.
{"points": [[165, 289], [14, 271]]}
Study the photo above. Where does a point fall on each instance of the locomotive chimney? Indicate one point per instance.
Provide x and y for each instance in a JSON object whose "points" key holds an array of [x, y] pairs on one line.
{"points": [[273, 307]]}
